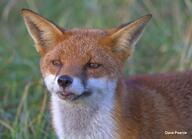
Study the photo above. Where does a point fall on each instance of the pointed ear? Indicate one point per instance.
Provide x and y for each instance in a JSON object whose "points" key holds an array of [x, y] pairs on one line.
{"points": [[44, 33], [124, 38]]}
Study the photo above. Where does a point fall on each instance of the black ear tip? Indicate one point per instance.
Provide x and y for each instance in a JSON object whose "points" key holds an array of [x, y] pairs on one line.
{"points": [[145, 19], [149, 16], [27, 11], [23, 11]]}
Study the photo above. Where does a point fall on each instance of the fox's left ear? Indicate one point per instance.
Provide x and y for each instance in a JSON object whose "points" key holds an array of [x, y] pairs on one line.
{"points": [[123, 39], [43, 32]]}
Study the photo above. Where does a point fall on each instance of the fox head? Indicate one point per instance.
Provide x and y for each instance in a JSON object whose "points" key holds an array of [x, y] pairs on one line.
{"points": [[82, 64]]}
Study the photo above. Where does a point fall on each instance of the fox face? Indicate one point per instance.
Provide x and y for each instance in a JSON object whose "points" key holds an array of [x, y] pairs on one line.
{"points": [[79, 66], [82, 65]]}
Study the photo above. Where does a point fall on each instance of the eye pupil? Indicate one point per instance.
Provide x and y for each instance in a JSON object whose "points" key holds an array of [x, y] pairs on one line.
{"points": [[93, 65], [56, 63]]}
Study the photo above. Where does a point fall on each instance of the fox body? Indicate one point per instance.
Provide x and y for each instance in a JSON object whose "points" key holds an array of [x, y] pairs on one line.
{"points": [[90, 97]]}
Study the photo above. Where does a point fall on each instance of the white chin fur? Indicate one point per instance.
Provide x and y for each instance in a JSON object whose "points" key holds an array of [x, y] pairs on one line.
{"points": [[51, 83], [101, 85], [90, 121], [98, 86]]}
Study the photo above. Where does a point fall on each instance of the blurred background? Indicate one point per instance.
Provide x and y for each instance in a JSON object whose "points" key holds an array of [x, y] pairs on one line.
{"points": [[24, 101]]}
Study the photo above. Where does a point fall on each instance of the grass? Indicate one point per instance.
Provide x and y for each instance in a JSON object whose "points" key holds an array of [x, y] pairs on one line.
{"points": [[165, 47]]}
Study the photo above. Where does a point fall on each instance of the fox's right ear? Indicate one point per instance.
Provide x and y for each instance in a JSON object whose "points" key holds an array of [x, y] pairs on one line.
{"points": [[44, 33]]}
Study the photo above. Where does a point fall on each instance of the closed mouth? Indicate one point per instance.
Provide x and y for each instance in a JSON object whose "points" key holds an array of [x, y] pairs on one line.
{"points": [[72, 96]]}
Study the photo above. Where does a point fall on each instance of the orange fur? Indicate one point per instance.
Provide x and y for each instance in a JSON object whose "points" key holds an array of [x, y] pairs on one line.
{"points": [[155, 104]]}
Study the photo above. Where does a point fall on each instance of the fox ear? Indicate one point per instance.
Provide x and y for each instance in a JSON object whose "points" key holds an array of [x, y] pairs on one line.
{"points": [[44, 33], [124, 38]]}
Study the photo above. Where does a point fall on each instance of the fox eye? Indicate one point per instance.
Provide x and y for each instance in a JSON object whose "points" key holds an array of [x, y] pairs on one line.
{"points": [[93, 65], [56, 63]]}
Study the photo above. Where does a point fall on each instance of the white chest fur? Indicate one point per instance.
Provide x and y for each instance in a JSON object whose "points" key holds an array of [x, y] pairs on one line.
{"points": [[77, 122]]}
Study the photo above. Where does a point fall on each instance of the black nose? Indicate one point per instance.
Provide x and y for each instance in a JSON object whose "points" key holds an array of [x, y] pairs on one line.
{"points": [[64, 81]]}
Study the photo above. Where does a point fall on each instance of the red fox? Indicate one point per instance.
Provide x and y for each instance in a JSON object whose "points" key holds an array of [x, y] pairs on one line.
{"points": [[90, 97]]}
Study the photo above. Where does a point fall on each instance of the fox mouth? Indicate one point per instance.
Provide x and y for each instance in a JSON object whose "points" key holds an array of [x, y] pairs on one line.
{"points": [[72, 96]]}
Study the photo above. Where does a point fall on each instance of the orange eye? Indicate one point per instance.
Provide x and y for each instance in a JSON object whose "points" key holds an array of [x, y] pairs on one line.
{"points": [[93, 65], [56, 63]]}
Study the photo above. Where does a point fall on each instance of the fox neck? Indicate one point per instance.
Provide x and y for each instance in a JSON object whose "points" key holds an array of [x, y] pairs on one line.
{"points": [[125, 125], [85, 121]]}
